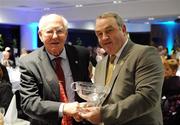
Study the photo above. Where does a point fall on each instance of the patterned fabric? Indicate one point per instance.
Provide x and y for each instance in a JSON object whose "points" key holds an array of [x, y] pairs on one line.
{"points": [[66, 120]]}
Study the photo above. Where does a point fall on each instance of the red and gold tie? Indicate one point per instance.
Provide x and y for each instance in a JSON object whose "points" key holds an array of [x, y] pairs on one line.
{"points": [[66, 120]]}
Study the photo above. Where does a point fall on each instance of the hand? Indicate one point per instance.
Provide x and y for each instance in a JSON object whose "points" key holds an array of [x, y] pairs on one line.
{"points": [[77, 117], [71, 109], [92, 114]]}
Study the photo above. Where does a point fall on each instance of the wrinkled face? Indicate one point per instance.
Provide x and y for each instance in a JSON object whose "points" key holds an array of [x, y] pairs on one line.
{"points": [[53, 34], [110, 36]]}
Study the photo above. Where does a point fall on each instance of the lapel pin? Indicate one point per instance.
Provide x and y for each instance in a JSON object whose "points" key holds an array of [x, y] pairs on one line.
{"points": [[122, 62], [76, 62]]}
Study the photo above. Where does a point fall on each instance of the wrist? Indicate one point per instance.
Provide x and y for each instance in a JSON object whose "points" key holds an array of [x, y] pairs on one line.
{"points": [[61, 109]]}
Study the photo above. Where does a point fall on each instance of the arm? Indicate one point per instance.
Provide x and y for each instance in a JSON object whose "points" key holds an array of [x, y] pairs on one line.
{"points": [[32, 101]]}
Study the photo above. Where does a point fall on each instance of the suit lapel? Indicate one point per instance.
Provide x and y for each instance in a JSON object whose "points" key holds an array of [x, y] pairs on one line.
{"points": [[73, 61], [49, 73], [103, 72]]}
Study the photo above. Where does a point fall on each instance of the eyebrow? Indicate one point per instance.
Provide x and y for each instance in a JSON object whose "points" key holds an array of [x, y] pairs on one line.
{"points": [[110, 26]]}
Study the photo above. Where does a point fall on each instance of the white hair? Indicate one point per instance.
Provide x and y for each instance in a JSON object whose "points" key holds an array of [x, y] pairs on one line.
{"points": [[43, 19]]}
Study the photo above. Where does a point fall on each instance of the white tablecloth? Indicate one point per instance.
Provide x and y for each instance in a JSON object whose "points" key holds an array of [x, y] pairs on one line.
{"points": [[14, 75], [18, 122]]}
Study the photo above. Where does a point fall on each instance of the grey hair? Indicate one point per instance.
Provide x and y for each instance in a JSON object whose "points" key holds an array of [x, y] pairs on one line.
{"points": [[118, 19], [43, 19]]}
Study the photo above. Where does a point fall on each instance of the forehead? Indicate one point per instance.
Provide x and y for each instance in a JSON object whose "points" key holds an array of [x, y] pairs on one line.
{"points": [[52, 21], [104, 23]]}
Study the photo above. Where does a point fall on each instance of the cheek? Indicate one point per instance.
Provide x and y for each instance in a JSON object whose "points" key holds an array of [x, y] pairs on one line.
{"points": [[45, 39], [118, 41]]}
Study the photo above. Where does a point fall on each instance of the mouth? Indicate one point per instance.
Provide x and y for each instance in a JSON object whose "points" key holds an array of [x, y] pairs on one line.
{"points": [[107, 43], [54, 43]]}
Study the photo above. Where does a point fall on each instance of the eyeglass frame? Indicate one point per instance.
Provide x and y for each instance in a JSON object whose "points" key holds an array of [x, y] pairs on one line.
{"points": [[50, 31]]}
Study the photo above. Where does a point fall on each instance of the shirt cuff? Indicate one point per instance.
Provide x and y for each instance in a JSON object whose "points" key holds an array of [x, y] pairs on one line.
{"points": [[61, 108]]}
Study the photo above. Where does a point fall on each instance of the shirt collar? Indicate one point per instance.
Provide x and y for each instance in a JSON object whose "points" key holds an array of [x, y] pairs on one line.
{"points": [[120, 51], [62, 55]]}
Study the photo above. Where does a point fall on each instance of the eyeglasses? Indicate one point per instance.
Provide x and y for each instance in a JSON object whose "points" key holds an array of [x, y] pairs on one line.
{"points": [[50, 32]]}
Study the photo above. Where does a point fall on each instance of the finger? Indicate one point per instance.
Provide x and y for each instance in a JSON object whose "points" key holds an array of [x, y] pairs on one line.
{"points": [[78, 118]]}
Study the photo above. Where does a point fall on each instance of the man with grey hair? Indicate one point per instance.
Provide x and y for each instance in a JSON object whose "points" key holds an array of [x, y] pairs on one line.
{"points": [[47, 74], [135, 80]]}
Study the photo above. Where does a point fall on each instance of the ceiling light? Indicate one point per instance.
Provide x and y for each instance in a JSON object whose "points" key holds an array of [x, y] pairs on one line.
{"points": [[119, 1], [116, 2], [150, 18], [78, 5]]}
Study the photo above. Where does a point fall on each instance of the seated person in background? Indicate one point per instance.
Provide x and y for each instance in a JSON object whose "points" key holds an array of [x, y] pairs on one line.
{"points": [[171, 84], [6, 61], [23, 52], [171, 95], [6, 93], [6, 87], [5, 73]]}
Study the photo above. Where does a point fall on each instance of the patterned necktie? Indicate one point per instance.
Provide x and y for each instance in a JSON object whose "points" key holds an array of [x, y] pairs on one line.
{"points": [[110, 68], [66, 120]]}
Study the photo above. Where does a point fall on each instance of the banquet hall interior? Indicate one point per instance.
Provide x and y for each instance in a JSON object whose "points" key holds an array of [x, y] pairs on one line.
{"points": [[149, 22]]}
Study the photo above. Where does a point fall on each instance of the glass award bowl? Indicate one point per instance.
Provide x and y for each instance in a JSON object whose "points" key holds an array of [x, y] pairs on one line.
{"points": [[90, 92]]}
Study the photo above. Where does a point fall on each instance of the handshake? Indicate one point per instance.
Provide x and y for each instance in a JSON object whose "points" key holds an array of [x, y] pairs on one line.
{"points": [[81, 111]]}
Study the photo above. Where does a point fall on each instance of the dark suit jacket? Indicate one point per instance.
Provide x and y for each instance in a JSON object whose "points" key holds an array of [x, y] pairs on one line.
{"points": [[39, 83], [5, 73], [171, 86], [135, 87], [6, 94]]}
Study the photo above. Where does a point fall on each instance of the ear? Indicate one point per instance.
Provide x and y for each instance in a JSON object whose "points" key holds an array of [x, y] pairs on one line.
{"points": [[124, 29], [66, 32], [40, 35]]}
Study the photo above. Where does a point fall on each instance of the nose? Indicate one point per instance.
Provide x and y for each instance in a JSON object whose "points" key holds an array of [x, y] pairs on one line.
{"points": [[54, 35], [105, 36]]}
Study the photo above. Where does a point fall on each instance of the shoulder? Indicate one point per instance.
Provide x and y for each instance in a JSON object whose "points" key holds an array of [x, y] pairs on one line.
{"points": [[139, 47], [144, 50], [76, 49], [33, 56]]}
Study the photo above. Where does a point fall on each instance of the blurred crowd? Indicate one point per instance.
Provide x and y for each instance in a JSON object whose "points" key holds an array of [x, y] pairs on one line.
{"points": [[171, 86], [10, 78]]}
